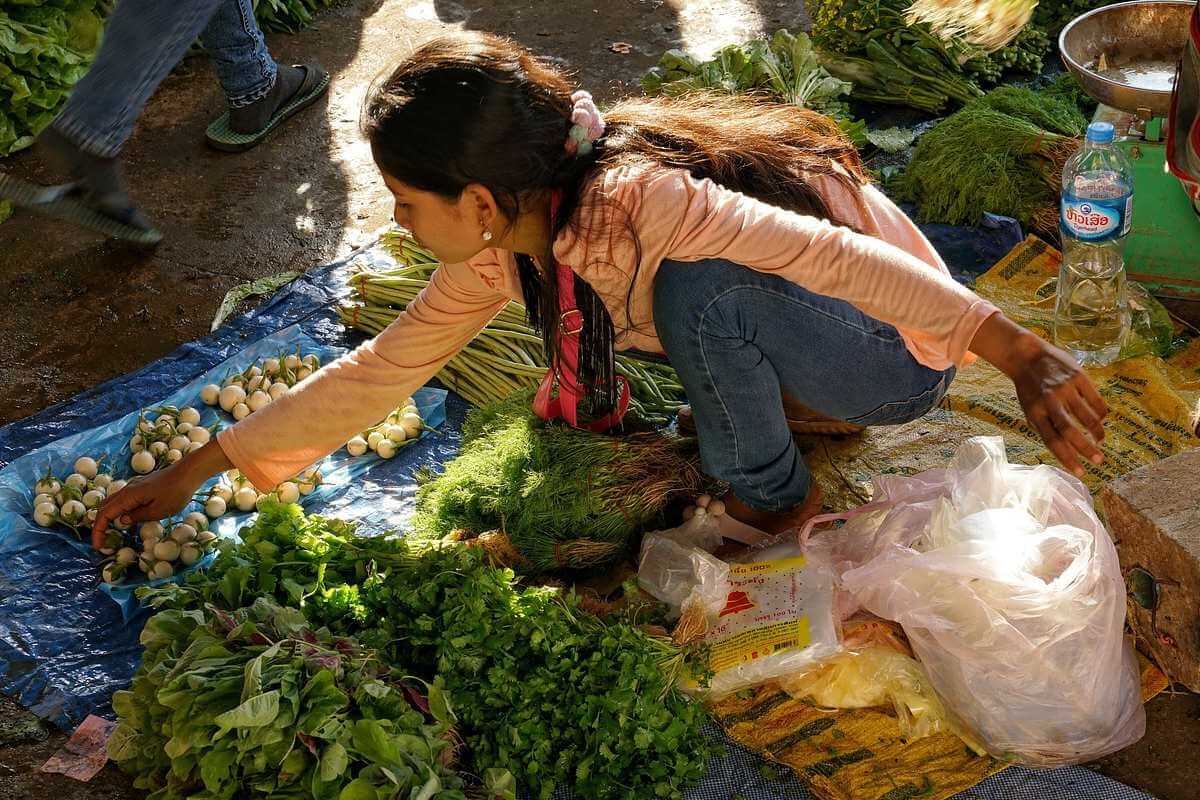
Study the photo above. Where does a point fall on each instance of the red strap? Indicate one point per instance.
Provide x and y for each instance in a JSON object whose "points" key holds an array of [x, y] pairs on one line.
{"points": [[565, 372]]}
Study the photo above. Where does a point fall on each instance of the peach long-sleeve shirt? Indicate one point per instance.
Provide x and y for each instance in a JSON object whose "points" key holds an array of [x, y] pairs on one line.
{"points": [[889, 271]]}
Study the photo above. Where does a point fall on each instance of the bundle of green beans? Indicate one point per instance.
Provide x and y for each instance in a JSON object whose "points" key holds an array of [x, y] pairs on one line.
{"points": [[507, 356]]}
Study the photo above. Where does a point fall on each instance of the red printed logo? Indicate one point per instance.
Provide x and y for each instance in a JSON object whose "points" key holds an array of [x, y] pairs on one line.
{"points": [[736, 603]]}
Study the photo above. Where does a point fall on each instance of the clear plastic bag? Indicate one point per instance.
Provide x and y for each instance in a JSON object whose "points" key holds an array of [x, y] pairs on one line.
{"points": [[676, 568], [879, 676], [1010, 592]]}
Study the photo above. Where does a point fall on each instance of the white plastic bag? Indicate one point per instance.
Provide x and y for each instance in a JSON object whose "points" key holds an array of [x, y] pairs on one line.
{"points": [[1009, 589], [777, 619], [676, 568]]}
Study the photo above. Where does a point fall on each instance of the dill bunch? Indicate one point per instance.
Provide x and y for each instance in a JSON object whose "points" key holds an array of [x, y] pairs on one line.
{"points": [[563, 498], [1002, 153]]}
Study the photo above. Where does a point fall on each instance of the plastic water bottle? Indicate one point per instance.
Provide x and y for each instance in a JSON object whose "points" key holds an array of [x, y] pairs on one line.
{"points": [[1091, 316]]}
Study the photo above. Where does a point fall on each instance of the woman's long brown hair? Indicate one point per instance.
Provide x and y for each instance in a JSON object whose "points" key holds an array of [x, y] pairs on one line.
{"points": [[478, 108]]}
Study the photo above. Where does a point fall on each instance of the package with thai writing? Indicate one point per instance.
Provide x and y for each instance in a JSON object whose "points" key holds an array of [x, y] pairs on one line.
{"points": [[778, 619]]}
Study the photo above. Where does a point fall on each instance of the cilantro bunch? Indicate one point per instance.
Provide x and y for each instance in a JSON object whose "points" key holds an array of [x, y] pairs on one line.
{"points": [[543, 689]]}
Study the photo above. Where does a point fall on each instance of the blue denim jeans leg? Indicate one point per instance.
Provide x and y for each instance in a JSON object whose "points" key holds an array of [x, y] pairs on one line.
{"points": [[239, 53], [738, 337], [143, 41]]}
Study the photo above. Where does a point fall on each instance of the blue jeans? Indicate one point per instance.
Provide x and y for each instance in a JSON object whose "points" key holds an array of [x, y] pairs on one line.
{"points": [[143, 41], [738, 337]]}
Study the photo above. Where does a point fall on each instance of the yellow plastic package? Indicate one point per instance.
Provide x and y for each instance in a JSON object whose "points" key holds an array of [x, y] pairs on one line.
{"points": [[879, 676]]}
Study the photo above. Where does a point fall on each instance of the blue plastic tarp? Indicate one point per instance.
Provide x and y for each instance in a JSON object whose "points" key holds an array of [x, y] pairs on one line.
{"points": [[65, 645]]}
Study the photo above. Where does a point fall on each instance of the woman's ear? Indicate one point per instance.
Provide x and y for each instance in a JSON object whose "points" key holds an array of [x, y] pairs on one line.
{"points": [[478, 204]]}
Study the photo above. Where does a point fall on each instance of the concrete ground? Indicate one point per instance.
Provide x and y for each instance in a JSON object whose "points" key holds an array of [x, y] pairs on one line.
{"points": [[82, 310]]}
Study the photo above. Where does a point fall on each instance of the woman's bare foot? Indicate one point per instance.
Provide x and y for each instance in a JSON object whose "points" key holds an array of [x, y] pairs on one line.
{"points": [[774, 523]]}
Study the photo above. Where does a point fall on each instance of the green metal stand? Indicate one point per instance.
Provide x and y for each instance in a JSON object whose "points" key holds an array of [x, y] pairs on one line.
{"points": [[1162, 251]]}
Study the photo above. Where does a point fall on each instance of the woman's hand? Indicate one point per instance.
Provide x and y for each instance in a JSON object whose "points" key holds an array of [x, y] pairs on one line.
{"points": [[1058, 398], [160, 494]]}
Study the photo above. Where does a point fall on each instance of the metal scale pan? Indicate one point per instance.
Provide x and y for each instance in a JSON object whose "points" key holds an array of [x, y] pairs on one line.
{"points": [[1141, 43]]}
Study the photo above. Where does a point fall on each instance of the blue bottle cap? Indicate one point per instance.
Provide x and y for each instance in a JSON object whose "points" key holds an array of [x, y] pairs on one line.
{"points": [[1100, 132]]}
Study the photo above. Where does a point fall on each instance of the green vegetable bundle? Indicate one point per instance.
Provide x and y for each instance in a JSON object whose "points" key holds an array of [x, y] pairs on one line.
{"points": [[1003, 154], [507, 356], [287, 16], [785, 68], [1026, 55], [561, 497], [256, 703], [890, 60], [45, 47], [544, 689], [538, 686], [868, 43]]}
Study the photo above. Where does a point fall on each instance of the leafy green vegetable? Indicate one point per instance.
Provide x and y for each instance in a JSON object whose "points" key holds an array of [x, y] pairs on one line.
{"points": [[287, 16], [785, 68], [45, 47], [889, 60], [869, 43], [586, 702], [248, 704], [538, 687], [892, 140]]}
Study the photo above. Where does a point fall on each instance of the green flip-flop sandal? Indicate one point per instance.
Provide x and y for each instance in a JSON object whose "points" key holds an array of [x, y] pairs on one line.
{"points": [[221, 137], [69, 202]]}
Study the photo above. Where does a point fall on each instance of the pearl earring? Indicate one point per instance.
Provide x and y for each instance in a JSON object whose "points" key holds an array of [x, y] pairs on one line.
{"points": [[487, 236]]}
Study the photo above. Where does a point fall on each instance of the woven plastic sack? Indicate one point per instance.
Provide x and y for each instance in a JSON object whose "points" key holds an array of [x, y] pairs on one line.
{"points": [[1009, 589]]}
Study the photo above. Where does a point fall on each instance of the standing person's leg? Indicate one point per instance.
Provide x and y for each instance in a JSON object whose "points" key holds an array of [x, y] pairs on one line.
{"points": [[143, 41], [261, 93], [239, 54], [738, 338]]}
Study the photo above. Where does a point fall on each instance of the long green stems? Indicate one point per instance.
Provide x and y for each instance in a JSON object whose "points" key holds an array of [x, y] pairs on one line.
{"points": [[507, 356]]}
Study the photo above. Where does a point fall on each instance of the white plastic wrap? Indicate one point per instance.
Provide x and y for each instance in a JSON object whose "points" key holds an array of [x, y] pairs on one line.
{"points": [[777, 619], [676, 568], [1009, 589]]}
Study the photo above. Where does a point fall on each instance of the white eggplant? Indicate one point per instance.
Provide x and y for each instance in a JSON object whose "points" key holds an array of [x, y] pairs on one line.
{"points": [[45, 514], [245, 498], [215, 507], [231, 396], [210, 395]]}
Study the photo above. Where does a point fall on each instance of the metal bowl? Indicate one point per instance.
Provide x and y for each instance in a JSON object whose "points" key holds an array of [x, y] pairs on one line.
{"points": [[1147, 31]]}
